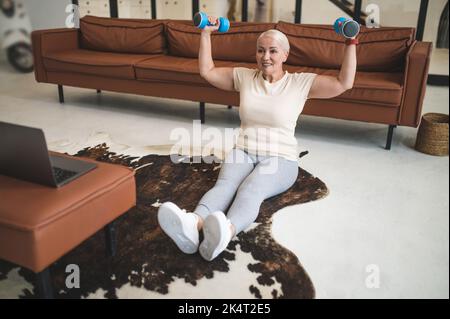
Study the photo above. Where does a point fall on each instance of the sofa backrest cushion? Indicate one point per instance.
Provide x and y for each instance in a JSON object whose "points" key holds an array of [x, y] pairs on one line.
{"points": [[139, 36], [238, 44], [380, 49]]}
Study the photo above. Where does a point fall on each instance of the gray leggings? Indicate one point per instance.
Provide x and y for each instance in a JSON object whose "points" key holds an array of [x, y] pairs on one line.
{"points": [[245, 181]]}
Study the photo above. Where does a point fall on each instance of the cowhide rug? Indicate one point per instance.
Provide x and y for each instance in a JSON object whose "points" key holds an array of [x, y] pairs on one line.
{"points": [[149, 265]]}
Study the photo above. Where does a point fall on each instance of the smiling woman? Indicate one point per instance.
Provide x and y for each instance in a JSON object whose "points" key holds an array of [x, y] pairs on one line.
{"points": [[263, 162], [272, 50]]}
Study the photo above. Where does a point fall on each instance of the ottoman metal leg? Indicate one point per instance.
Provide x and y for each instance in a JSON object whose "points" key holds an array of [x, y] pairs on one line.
{"points": [[44, 284], [110, 239]]}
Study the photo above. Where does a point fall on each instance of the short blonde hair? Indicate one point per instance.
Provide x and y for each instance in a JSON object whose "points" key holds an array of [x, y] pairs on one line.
{"points": [[278, 36]]}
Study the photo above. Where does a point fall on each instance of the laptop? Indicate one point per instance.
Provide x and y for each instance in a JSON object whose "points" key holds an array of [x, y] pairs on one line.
{"points": [[24, 155]]}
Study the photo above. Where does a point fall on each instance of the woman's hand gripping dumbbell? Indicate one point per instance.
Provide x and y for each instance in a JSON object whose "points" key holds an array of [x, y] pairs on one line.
{"points": [[210, 23]]}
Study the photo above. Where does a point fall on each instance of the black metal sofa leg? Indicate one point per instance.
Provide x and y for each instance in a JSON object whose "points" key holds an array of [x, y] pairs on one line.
{"points": [[99, 91], [230, 106], [44, 284], [110, 239], [389, 137], [202, 112], [61, 93]]}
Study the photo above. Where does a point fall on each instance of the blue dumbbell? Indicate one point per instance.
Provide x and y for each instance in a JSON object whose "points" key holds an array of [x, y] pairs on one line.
{"points": [[347, 27], [201, 21]]}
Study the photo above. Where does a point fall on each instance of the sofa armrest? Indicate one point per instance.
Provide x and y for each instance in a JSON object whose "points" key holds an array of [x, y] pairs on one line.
{"points": [[51, 40], [415, 82]]}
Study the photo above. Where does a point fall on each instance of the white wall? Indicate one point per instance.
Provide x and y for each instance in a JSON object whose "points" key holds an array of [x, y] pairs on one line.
{"points": [[136, 9], [99, 8], [404, 13], [217, 8], [182, 9], [435, 8], [174, 9], [50, 13], [398, 13], [47, 14], [320, 12]]}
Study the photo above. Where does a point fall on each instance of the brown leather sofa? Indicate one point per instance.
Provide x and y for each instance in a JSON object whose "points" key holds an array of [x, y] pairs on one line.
{"points": [[159, 58]]}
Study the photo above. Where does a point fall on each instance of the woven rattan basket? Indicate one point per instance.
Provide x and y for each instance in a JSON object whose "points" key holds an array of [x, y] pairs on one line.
{"points": [[432, 137]]}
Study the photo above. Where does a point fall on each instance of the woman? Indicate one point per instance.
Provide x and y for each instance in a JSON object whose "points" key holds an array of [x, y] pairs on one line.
{"points": [[257, 168]]}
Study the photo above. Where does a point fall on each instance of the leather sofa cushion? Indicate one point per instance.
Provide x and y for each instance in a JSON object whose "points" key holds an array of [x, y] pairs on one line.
{"points": [[380, 50], [139, 36], [171, 69], [382, 88], [238, 44], [117, 65], [369, 87]]}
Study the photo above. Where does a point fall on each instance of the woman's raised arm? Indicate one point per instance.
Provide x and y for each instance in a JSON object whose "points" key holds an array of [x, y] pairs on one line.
{"points": [[325, 86], [221, 78]]}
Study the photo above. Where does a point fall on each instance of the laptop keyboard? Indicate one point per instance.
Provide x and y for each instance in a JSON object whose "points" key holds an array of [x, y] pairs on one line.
{"points": [[62, 174]]}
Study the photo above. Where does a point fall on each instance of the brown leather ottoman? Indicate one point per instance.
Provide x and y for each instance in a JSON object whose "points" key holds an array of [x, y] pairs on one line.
{"points": [[39, 224]]}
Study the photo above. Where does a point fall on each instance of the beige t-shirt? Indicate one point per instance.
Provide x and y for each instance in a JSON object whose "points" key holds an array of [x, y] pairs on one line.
{"points": [[269, 111]]}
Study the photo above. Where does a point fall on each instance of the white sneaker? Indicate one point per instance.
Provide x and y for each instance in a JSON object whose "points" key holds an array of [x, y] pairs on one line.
{"points": [[180, 226], [217, 235]]}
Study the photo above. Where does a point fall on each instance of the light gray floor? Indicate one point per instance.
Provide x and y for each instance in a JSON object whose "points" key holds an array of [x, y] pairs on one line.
{"points": [[386, 214]]}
